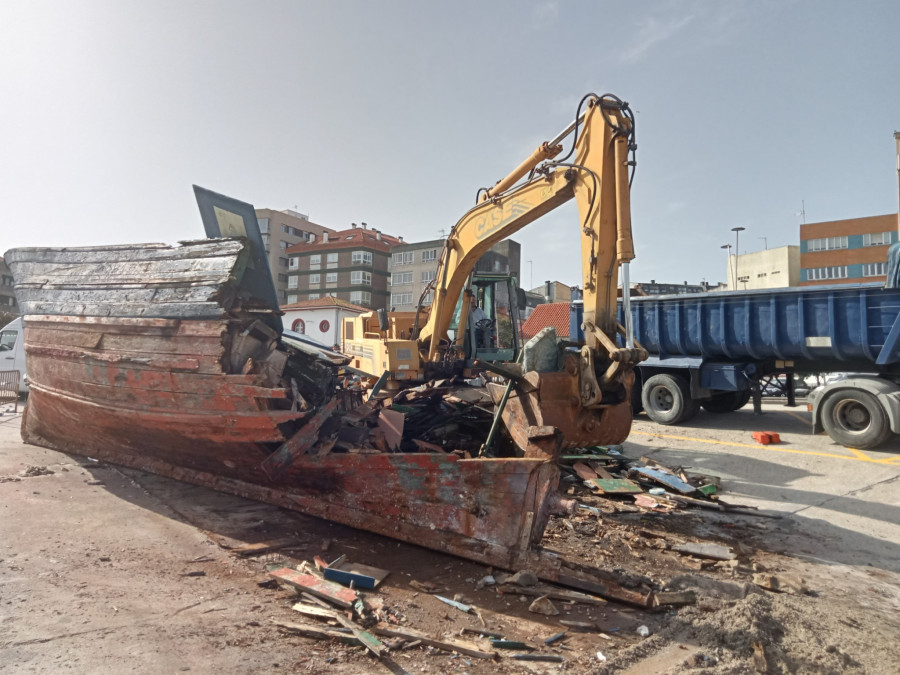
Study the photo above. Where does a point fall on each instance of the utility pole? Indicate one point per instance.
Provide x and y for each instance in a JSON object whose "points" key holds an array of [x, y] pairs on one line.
{"points": [[737, 251], [765, 242], [728, 269]]}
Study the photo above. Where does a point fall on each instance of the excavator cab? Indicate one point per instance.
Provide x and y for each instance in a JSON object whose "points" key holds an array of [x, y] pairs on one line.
{"points": [[496, 337]]}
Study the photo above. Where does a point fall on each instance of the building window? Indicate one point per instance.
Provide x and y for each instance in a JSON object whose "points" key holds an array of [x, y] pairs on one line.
{"points": [[313, 296], [430, 255], [299, 326], [295, 263], [331, 278], [821, 273], [428, 275], [283, 262], [315, 279], [401, 278], [283, 244], [874, 269], [263, 225], [292, 281], [361, 258], [400, 299], [285, 228], [315, 262], [291, 299], [332, 260], [403, 258], [324, 326], [361, 278], [826, 243], [361, 298], [282, 277], [876, 239]]}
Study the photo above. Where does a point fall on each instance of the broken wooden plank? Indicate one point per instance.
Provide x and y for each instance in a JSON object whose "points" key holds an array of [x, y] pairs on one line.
{"points": [[315, 610], [426, 446], [613, 486], [327, 590], [584, 471], [539, 590], [663, 598], [367, 640], [263, 547], [391, 423], [279, 461], [319, 631], [447, 644], [710, 551], [666, 479]]}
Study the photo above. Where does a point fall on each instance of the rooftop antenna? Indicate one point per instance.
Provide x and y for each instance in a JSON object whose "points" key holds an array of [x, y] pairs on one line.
{"points": [[802, 212]]}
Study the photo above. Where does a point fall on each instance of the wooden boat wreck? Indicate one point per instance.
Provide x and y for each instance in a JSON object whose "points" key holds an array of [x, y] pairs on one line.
{"points": [[158, 358]]}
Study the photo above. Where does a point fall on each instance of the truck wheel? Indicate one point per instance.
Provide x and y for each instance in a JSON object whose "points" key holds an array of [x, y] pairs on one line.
{"points": [[727, 402], [667, 400], [855, 419]]}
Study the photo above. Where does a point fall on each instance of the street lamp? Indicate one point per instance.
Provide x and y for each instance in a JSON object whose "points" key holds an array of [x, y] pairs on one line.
{"points": [[737, 251], [727, 248]]}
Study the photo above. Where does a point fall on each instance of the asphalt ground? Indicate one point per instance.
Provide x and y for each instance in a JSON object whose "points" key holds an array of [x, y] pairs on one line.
{"points": [[845, 501]]}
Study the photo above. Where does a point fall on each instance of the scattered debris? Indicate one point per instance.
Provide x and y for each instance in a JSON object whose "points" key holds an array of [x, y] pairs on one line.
{"points": [[759, 657], [500, 643], [785, 583], [327, 590], [711, 551], [32, 471], [446, 644], [643, 631], [552, 658], [263, 547], [355, 575], [555, 638], [524, 578], [544, 606], [453, 603]]}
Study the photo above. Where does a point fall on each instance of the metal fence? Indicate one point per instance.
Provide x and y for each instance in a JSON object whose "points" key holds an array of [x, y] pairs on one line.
{"points": [[9, 387]]}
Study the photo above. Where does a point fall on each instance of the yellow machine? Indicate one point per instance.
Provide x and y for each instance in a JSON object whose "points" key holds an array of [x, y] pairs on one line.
{"points": [[584, 398]]}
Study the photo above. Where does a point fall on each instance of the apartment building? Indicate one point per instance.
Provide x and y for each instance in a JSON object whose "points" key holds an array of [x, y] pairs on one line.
{"points": [[351, 265], [8, 302], [280, 230], [414, 266], [846, 251]]}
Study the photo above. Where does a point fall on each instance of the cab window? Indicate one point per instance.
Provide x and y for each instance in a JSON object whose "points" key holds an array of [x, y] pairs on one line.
{"points": [[8, 340]]}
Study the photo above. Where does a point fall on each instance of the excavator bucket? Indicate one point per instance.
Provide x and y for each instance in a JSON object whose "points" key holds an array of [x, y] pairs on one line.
{"points": [[544, 411]]}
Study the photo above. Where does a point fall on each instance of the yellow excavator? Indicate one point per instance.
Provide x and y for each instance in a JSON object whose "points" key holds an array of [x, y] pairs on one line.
{"points": [[556, 393]]}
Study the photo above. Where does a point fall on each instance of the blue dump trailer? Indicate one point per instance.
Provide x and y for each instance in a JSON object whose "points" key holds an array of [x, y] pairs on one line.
{"points": [[720, 349]]}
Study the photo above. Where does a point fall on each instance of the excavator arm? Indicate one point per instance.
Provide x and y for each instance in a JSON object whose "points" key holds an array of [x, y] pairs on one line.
{"points": [[596, 174], [596, 177]]}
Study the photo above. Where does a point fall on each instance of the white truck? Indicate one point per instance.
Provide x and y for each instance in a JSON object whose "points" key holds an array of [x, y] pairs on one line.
{"points": [[12, 351]]}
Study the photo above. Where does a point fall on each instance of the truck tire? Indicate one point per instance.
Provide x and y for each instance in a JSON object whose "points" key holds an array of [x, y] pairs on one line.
{"points": [[855, 419], [667, 400], [727, 402]]}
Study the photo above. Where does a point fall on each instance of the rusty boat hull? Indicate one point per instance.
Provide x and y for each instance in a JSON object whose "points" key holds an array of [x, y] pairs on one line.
{"points": [[152, 357]]}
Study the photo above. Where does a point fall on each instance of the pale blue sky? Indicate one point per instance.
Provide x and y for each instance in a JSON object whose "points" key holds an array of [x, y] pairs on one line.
{"points": [[394, 113]]}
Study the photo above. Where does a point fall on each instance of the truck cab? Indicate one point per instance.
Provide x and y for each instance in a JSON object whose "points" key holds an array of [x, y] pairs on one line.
{"points": [[12, 351]]}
